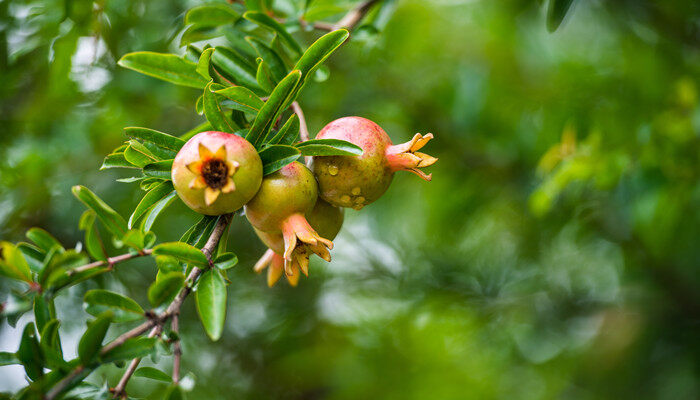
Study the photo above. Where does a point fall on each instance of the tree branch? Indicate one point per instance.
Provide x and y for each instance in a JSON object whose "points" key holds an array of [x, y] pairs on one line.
{"points": [[110, 261], [303, 128], [155, 323], [349, 20]]}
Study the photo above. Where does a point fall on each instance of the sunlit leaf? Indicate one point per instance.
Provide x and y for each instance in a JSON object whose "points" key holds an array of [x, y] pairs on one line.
{"points": [[111, 220], [167, 67], [288, 133], [267, 22], [244, 98], [155, 195], [272, 108], [183, 252], [328, 147], [158, 138], [165, 288]]}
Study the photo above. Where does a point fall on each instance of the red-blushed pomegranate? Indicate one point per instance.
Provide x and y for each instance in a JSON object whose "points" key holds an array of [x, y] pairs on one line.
{"points": [[279, 208], [216, 173], [355, 181], [325, 219]]}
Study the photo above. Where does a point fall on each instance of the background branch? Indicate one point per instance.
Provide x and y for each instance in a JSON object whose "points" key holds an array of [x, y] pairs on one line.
{"points": [[156, 323]]}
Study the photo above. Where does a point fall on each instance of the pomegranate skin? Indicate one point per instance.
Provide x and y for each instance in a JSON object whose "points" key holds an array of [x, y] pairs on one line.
{"points": [[291, 190], [204, 188], [355, 181]]}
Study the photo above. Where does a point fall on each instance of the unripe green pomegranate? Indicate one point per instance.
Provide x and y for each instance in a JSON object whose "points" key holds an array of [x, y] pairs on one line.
{"points": [[325, 219], [280, 206], [355, 181], [216, 173]]}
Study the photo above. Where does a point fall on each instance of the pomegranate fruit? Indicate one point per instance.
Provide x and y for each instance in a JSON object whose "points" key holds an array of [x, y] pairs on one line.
{"points": [[216, 173], [355, 181], [280, 206], [326, 219]]}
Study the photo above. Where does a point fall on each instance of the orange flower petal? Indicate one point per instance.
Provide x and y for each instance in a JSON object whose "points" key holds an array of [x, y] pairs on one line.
{"points": [[198, 183]]}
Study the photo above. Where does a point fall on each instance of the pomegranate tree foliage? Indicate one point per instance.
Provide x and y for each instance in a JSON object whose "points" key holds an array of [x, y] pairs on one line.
{"points": [[603, 154]]}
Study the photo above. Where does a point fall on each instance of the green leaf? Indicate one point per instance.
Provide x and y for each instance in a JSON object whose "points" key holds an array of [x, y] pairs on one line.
{"points": [[51, 346], [93, 242], [198, 234], [159, 169], [272, 108], [214, 113], [211, 303], [33, 255], [152, 373], [155, 211], [182, 251], [13, 264], [556, 12], [111, 220], [165, 288], [160, 152], [320, 50], [328, 147], [168, 264], [153, 196], [29, 353], [132, 348], [123, 308], [273, 60], [234, 67], [288, 133], [138, 154], [203, 64], [174, 392], [43, 239], [158, 138], [211, 15], [55, 273], [277, 156], [225, 261], [244, 99], [7, 358], [91, 341], [264, 76], [196, 33], [116, 160], [167, 67], [267, 22], [42, 315]]}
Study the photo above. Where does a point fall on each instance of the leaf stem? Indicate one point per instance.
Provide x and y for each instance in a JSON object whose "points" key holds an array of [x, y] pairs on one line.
{"points": [[110, 261]]}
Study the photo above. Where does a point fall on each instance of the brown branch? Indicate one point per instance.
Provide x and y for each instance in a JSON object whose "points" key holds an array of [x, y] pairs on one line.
{"points": [[177, 349], [119, 389], [155, 323], [349, 20], [109, 262]]}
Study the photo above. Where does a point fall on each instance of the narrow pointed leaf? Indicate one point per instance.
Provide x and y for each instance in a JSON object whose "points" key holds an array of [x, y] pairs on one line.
{"points": [[43, 239], [264, 76], [328, 147], [7, 358], [277, 156], [320, 50], [272, 108], [29, 353], [556, 12], [226, 261], [132, 348], [152, 373], [157, 208], [167, 67], [93, 242], [267, 22], [91, 341], [165, 288], [111, 220], [123, 308], [211, 15], [159, 169], [158, 138], [234, 67], [204, 62], [116, 160], [211, 303], [13, 264], [273, 60], [155, 195], [183, 252], [214, 113], [244, 98], [288, 133]]}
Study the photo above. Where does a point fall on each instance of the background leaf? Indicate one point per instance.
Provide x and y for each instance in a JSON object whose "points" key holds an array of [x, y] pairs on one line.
{"points": [[165, 288], [91, 341]]}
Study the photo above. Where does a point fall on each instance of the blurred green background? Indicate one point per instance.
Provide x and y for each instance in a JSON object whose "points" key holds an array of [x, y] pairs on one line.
{"points": [[555, 254]]}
